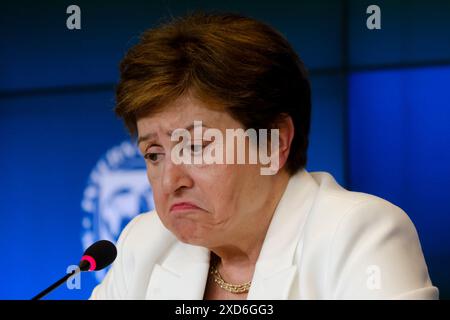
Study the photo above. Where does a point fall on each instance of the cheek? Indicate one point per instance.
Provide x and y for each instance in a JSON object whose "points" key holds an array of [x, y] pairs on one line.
{"points": [[214, 181], [242, 187], [221, 187]]}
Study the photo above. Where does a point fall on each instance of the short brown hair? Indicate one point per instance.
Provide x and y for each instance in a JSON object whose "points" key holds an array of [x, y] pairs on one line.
{"points": [[244, 64]]}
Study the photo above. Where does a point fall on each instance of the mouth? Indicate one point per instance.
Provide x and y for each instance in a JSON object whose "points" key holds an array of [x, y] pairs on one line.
{"points": [[183, 206]]}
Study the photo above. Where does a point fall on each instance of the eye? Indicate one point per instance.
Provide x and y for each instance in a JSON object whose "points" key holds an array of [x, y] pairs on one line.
{"points": [[196, 148], [154, 154]]}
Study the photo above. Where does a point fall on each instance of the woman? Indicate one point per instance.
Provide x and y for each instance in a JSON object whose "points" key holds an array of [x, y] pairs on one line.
{"points": [[223, 229]]}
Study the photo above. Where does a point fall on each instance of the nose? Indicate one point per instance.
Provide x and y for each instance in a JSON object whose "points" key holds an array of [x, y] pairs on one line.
{"points": [[175, 177]]}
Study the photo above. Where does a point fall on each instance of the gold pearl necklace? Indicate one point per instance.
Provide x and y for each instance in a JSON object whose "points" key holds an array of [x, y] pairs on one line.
{"points": [[233, 288]]}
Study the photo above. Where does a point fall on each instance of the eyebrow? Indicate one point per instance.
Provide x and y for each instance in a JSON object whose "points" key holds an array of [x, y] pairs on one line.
{"points": [[169, 133], [145, 138]]}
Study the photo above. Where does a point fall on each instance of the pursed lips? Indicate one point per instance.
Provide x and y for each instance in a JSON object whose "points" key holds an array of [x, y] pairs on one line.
{"points": [[181, 206]]}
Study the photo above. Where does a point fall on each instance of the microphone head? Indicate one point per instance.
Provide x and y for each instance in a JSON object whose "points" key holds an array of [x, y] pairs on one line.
{"points": [[98, 256]]}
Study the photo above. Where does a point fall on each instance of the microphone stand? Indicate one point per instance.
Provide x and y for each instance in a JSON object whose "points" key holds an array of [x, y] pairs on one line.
{"points": [[56, 284]]}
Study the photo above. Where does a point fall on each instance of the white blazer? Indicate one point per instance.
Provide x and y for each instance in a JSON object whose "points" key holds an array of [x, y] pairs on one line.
{"points": [[324, 242]]}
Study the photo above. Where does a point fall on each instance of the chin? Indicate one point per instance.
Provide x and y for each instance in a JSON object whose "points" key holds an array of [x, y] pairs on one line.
{"points": [[190, 236]]}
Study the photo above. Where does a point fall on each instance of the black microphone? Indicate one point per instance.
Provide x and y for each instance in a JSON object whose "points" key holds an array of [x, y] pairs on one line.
{"points": [[98, 256]]}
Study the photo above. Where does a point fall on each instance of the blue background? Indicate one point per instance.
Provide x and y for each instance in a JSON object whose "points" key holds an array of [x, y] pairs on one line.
{"points": [[380, 123]]}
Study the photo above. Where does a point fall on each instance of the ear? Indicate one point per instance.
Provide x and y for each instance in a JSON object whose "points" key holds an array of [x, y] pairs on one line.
{"points": [[286, 135]]}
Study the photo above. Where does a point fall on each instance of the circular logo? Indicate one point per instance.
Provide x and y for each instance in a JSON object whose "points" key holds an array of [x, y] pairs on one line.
{"points": [[117, 191]]}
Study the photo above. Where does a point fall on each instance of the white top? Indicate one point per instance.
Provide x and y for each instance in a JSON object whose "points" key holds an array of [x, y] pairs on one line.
{"points": [[324, 242]]}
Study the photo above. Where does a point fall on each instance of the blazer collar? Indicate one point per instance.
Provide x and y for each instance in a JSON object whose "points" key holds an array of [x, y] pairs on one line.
{"points": [[183, 274]]}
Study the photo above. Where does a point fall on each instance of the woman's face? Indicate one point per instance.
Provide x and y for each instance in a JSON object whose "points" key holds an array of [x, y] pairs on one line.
{"points": [[202, 204]]}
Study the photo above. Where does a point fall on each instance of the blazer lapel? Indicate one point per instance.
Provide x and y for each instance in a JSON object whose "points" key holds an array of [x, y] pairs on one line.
{"points": [[277, 265], [274, 287], [182, 275]]}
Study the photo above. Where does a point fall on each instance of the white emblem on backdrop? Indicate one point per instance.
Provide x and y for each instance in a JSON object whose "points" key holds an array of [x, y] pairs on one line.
{"points": [[117, 191]]}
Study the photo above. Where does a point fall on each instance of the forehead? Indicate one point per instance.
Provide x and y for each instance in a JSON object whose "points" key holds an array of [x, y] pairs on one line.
{"points": [[182, 113]]}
